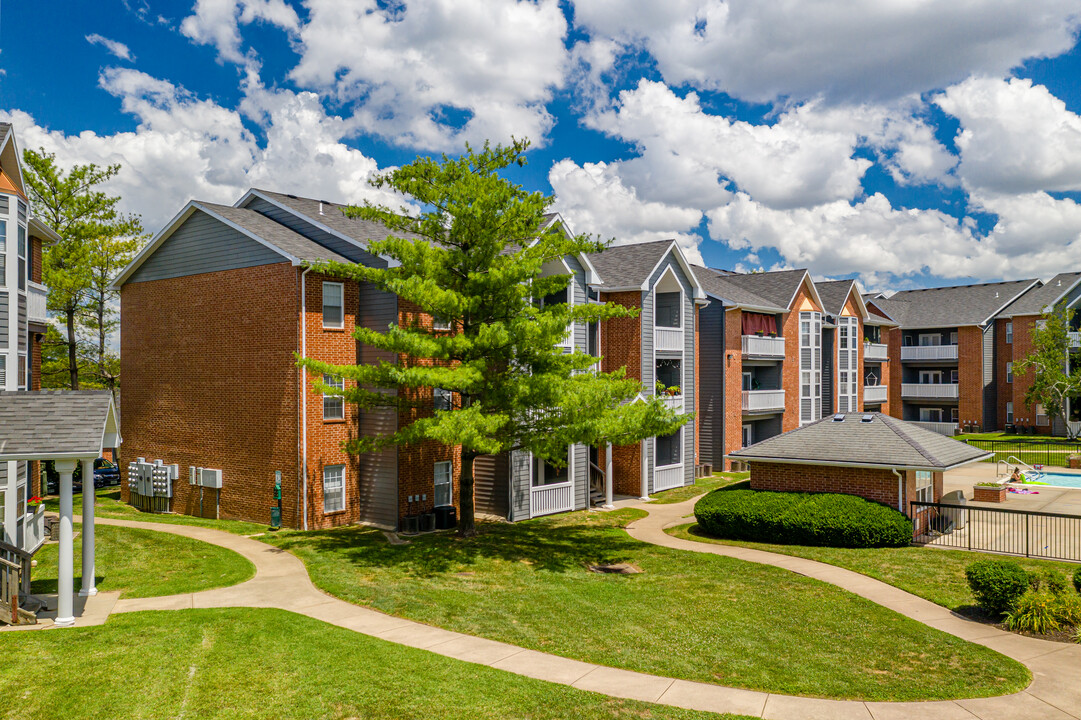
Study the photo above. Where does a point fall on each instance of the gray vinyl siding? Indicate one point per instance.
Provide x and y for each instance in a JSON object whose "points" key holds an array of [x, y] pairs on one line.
{"points": [[519, 484], [581, 477], [990, 385], [4, 314], [378, 476], [316, 234], [581, 452], [22, 324], [711, 384], [203, 244]]}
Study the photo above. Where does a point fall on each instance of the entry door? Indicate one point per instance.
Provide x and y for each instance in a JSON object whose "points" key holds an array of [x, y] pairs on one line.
{"points": [[931, 414], [748, 435], [930, 377], [748, 380]]}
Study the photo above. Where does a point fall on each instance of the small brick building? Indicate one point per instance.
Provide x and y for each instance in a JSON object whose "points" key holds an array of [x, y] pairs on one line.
{"points": [[872, 455]]}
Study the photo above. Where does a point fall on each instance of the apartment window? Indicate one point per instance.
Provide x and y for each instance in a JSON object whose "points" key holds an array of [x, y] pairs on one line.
{"points": [[906, 341], [593, 339], [953, 338], [442, 399], [1009, 372], [3, 371], [333, 488], [748, 435], [930, 340], [1009, 412], [333, 405], [1041, 324], [1009, 332], [748, 380], [670, 375], [440, 324], [668, 447], [443, 484], [1041, 416], [953, 377], [925, 486], [930, 414], [3, 251], [667, 309], [333, 305], [22, 257], [545, 473], [22, 372], [955, 415]]}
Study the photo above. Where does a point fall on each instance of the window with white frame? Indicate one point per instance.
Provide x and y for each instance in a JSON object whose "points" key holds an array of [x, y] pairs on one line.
{"points": [[22, 257], [955, 414], [333, 305], [3, 252], [925, 486], [953, 337], [333, 405], [3, 371], [667, 309], [443, 493], [442, 399], [440, 324], [1009, 332], [1042, 417], [927, 340], [1009, 372], [848, 363], [333, 488], [810, 364], [668, 448], [22, 371], [1009, 412], [546, 473]]}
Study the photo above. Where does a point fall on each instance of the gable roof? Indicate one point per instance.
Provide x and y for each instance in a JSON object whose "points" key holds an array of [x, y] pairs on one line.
{"points": [[56, 424], [835, 294], [629, 267], [955, 305], [778, 288], [717, 283], [884, 442], [1043, 296]]}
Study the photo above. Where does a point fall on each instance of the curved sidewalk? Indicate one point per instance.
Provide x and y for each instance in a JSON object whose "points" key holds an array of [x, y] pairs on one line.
{"points": [[281, 581]]}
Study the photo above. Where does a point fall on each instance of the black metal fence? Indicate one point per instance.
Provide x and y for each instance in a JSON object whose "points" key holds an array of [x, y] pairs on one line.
{"points": [[1034, 452], [1014, 532]]}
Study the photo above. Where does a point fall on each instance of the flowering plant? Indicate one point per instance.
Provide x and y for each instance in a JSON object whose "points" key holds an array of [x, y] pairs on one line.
{"points": [[34, 501]]}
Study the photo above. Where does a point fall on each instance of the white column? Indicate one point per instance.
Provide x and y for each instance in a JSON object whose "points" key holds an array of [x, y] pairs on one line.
{"points": [[645, 471], [65, 582], [608, 476], [88, 530], [8, 519]]}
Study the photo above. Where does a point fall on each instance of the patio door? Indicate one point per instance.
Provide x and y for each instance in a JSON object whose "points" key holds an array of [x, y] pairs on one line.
{"points": [[748, 435], [930, 377]]}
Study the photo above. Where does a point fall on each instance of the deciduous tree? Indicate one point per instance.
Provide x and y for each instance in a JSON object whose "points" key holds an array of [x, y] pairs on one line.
{"points": [[1049, 364]]}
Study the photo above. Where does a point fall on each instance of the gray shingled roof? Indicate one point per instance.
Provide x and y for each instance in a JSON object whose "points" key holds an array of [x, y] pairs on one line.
{"points": [[885, 442], [51, 423], [776, 288], [953, 306], [333, 217], [834, 294], [624, 266], [718, 283], [275, 233], [1035, 300]]}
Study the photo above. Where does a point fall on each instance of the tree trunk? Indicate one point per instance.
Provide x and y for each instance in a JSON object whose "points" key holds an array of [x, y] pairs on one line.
{"points": [[73, 362], [467, 523]]}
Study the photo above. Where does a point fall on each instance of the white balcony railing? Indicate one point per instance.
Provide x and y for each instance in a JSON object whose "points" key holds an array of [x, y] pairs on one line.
{"points": [[763, 347], [36, 295], [31, 533], [548, 499], [942, 428], [668, 339], [1074, 339], [935, 391], [673, 401], [929, 352], [668, 477], [875, 351], [875, 393], [763, 400]]}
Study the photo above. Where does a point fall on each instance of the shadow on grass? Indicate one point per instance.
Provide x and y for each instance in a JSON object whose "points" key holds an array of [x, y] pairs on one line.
{"points": [[553, 546], [50, 586]]}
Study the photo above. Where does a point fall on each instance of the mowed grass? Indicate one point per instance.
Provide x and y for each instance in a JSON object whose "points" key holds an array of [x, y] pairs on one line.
{"points": [[688, 615], [107, 504], [146, 563], [701, 486], [257, 663], [934, 574]]}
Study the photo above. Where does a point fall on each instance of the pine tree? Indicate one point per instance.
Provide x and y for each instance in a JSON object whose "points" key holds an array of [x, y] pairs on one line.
{"points": [[473, 259]]}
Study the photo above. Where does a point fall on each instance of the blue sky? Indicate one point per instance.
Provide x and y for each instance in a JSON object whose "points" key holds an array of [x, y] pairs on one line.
{"points": [[907, 144]]}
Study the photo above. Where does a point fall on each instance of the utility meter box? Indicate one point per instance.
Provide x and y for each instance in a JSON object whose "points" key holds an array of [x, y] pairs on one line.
{"points": [[152, 479], [210, 478]]}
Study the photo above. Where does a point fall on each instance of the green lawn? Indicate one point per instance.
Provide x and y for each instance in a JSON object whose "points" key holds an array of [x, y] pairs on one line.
{"points": [[145, 563], [701, 486], [248, 663], [689, 615], [1012, 438], [934, 574], [107, 504]]}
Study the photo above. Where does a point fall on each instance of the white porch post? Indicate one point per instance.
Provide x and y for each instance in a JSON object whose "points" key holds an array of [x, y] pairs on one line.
{"points": [[645, 471], [88, 530], [65, 584], [608, 476]]}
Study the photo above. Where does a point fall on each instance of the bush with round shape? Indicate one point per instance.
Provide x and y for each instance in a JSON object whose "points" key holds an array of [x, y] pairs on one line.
{"points": [[997, 584], [790, 518], [1033, 612]]}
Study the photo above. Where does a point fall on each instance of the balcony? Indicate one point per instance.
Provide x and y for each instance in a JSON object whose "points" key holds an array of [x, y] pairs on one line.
{"points": [[948, 429], [931, 391], [29, 530], [673, 401], [36, 311], [875, 393], [1074, 339], [759, 346], [755, 401], [668, 339], [875, 352], [929, 352]]}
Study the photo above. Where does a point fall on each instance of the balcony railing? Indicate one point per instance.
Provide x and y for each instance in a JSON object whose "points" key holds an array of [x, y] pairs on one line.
{"points": [[942, 428], [31, 530], [875, 393], [673, 401], [548, 499], [763, 400], [938, 391], [667, 477], [759, 346], [1074, 338], [875, 351], [929, 352], [36, 295], [668, 339]]}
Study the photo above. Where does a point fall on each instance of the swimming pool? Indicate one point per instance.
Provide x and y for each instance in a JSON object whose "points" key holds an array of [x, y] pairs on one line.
{"points": [[1072, 480]]}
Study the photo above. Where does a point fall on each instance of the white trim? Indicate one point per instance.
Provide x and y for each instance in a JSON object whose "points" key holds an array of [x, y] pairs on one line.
{"points": [[833, 463], [993, 315], [341, 492], [450, 482], [814, 292], [338, 383], [696, 287], [323, 305]]}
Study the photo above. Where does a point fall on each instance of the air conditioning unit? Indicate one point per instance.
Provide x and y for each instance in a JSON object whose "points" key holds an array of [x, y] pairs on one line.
{"points": [[210, 478]]}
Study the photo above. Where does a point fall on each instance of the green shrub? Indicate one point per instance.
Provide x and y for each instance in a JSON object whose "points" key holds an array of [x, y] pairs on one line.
{"points": [[823, 519], [1055, 582], [1033, 612], [1068, 609], [997, 584], [1077, 579]]}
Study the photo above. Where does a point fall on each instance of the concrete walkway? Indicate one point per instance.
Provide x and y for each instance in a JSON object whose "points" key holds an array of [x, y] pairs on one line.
{"points": [[281, 581]]}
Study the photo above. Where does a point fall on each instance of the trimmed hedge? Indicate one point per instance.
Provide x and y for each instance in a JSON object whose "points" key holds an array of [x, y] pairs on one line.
{"points": [[997, 584], [791, 518]]}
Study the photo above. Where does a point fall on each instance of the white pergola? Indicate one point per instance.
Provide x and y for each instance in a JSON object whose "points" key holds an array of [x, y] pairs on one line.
{"points": [[67, 427]]}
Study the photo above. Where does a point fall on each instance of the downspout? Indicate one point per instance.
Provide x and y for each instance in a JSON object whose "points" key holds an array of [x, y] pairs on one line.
{"points": [[900, 490], [304, 393]]}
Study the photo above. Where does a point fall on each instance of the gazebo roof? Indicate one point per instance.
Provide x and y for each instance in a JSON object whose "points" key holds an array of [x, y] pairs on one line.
{"points": [[56, 424]]}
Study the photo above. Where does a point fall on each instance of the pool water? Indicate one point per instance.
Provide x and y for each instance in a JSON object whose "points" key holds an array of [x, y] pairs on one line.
{"points": [[1061, 479]]}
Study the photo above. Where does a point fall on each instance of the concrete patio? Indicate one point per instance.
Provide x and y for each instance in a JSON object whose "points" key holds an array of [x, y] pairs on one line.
{"points": [[1049, 499]]}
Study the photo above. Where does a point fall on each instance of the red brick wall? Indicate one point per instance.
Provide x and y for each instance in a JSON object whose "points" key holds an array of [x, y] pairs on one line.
{"points": [[874, 484], [35, 259], [733, 382], [970, 375], [1023, 413], [219, 387], [621, 345]]}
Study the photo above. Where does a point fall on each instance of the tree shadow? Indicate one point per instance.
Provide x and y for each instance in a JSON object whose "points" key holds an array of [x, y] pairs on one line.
{"points": [[50, 586]]}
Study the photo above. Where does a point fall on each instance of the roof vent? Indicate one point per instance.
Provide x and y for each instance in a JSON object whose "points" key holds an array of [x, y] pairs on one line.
{"points": [[321, 208], [838, 418], [1059, 283], [867, 418], [996, 293]]}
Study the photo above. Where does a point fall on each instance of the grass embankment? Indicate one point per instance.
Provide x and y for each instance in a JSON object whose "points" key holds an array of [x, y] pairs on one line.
{"points": [[107, 504]]}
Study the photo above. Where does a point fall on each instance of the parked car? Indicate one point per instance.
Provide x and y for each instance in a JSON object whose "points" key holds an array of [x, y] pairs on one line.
{"points": [[105, 473]]}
